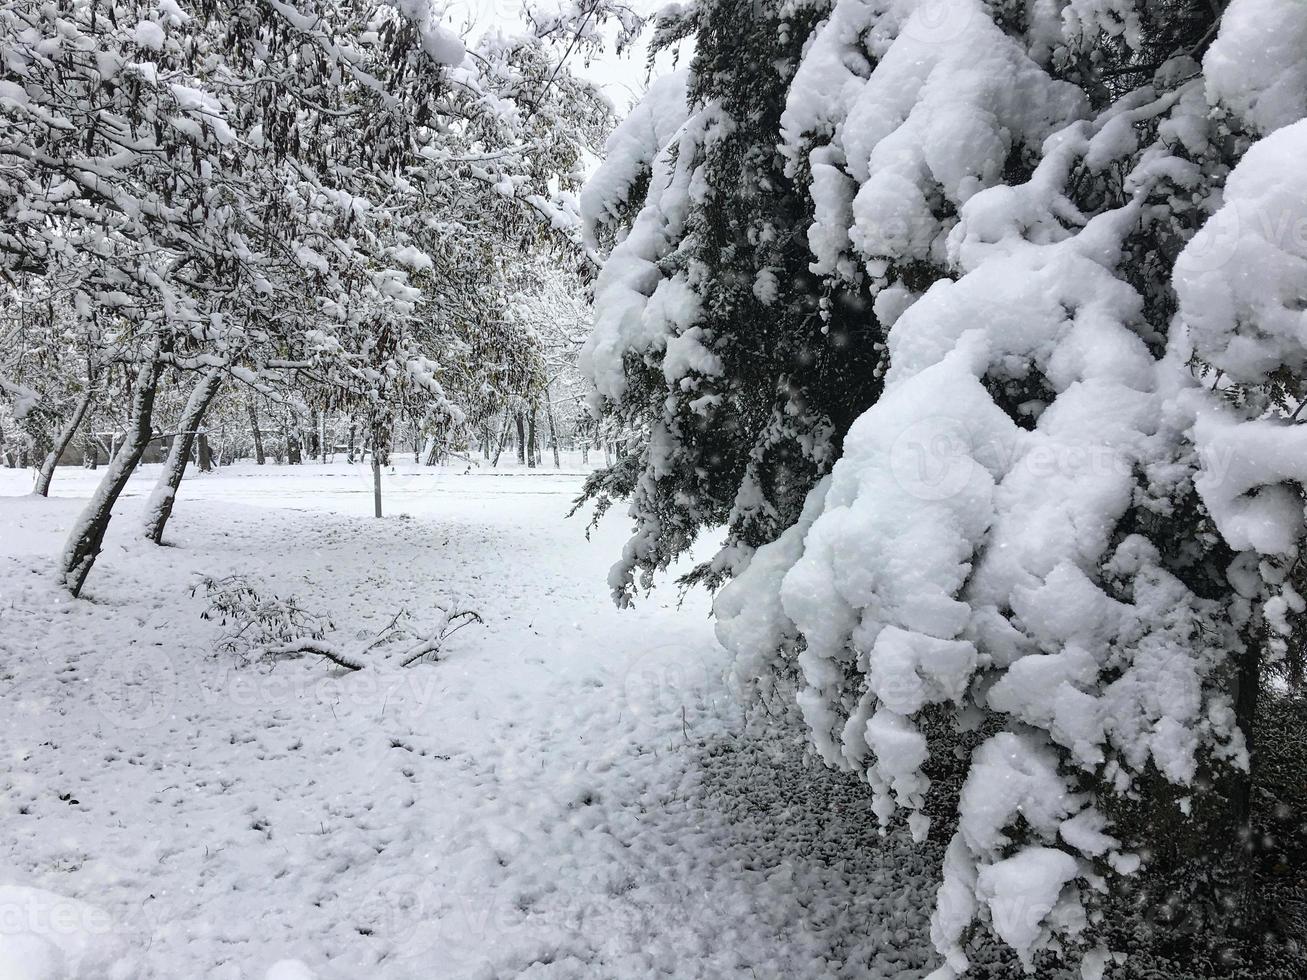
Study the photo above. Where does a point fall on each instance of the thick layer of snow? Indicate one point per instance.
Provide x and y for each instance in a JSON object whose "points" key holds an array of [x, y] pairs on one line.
{"points": [[570, 792], [636, 310], [1240, 287], [966, 551], [1240, 280], [1257, 64], [630, 151]]}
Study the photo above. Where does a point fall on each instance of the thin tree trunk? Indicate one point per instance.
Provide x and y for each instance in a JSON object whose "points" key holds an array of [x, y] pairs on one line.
{"points": [[521, 438], [254, 431], [553, 428], [90, 451], [532, 441], [203, 454], [503, 440], [380, 458], [159, 508], [1245, 713], [62, 442], [290, 435], [87, 536]]}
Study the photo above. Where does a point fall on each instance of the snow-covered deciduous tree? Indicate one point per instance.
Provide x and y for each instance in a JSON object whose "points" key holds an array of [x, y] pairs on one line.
{"points": [[50, 368], [283, 195], [1064, 539]]}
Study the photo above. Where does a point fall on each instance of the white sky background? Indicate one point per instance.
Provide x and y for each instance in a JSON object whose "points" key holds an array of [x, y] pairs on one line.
{"points": [[621, 78]]}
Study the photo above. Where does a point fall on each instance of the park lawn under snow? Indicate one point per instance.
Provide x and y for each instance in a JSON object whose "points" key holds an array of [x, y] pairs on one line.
{"points": [[570, 791]]}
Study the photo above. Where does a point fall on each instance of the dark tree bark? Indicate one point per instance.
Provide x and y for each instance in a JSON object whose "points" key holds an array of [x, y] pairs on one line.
{"points": [[1249, 685], [311, 443], [380, 458], [63, 441], [90, 449], [255, 433], [521, 438], [87, 537], [159, 509], [532, 441], [553, 428], [503, 440]]}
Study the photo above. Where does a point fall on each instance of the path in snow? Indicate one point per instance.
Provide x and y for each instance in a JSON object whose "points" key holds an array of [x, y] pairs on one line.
{"points": [[571, 792]]}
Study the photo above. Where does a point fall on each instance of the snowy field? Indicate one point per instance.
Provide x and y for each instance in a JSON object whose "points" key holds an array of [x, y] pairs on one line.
{"points": [[571, 791]]}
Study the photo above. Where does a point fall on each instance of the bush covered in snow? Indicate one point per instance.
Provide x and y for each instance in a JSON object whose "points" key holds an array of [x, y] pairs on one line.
{"points": [[1042, 504]]}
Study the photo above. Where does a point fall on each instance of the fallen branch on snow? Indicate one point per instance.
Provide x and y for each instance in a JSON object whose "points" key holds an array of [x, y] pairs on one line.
{"points": [[264, 626]]}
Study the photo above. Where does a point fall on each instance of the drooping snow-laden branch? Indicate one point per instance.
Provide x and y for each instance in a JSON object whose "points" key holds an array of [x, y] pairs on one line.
{"points": [[939, 366]]}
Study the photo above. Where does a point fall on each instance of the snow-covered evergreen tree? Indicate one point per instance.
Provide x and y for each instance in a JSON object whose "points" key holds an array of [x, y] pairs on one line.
{"points": [[1066, 532], [738, 369]]}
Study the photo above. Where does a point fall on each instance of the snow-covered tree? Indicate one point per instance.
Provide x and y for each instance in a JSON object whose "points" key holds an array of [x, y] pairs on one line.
{"points": [[738, 369], [1063, 540], [273, 194]]}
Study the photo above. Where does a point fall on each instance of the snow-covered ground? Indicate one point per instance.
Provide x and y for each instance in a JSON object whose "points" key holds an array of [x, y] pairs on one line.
{"points": [[571, 791]]}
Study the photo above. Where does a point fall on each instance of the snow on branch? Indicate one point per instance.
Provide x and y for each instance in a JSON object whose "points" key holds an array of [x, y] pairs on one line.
{"points": [[260, 625]]}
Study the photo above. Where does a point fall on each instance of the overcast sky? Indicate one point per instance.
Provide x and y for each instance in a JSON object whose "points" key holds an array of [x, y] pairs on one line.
{"points": [[623, 79]]}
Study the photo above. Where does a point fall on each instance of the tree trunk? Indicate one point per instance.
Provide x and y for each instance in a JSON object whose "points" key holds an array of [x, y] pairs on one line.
{"points": [[553, 428], [159, 508], [87, 536], [291, 436], [433, 452], [63, 441], [254, 431], [380, 458], [203, 454], [350, 457], [532, 441], [503, 440], [1245, 712], [90, 451], [521, 438]]}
